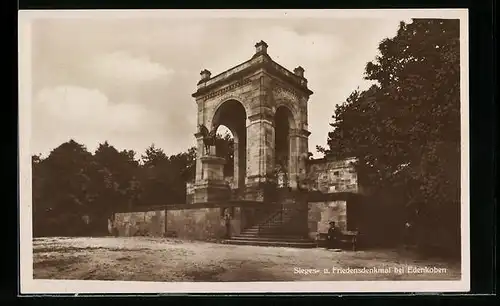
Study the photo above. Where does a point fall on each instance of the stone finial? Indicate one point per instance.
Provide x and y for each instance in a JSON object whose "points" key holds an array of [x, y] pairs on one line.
{"points": [[261, 47], [299, 71], [205, 74]]}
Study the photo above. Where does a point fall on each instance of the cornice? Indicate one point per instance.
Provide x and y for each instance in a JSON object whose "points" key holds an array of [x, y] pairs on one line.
{"points": [[242, 72]]}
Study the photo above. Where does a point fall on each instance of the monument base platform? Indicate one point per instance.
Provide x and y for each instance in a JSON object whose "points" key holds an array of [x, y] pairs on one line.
{"points": [[210, 191]]}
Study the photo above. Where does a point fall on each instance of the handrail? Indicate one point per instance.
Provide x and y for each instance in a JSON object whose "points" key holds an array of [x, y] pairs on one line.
{"points": [[281, 217], [271, 218], [260, 225]]}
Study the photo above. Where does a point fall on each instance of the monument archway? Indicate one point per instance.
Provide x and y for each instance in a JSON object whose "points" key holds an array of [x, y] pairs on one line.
{"points": [[232, 115], [264, 105]]}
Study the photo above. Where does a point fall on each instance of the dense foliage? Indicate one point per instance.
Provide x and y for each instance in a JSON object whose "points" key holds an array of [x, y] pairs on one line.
{"points": [[405, 129], [75, 191]]}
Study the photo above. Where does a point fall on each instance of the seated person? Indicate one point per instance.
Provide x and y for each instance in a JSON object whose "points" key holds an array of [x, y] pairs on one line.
{"points": [[333, 236]]}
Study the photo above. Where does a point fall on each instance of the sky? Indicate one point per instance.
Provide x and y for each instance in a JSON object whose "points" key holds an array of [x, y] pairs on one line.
{"points": [[129, 81]]}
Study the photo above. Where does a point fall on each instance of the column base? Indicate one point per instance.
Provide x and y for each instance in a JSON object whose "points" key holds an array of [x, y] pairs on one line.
{"points": [[258, 188], [211, 191]]}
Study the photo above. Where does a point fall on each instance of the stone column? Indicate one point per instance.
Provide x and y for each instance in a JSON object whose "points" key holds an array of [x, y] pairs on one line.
{"points": [[200, 151], [292, 159], [236, 155], [260, 148], [298, 151], [200, 147], [304, 155]]}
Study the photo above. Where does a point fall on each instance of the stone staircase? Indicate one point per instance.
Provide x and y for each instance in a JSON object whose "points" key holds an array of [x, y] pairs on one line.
{"points": [[278, 229]]}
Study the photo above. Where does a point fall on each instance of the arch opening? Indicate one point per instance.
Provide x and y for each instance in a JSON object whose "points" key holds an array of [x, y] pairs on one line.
{"points": [[224, 147], [230, 122]]}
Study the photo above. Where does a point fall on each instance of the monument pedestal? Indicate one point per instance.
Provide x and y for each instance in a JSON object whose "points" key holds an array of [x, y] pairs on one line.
{"points": [[212, 186]]}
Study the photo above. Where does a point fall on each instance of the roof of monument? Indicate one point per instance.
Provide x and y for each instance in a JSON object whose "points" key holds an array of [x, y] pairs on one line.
{"points": [[258, 61]]}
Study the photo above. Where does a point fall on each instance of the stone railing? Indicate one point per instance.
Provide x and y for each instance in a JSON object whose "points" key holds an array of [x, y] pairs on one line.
{"points": [[231, 71], [286, 72], [256, 60]]}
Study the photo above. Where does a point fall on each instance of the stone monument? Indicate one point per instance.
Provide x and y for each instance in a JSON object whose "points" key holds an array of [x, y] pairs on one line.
{"points": [[264, 105]]}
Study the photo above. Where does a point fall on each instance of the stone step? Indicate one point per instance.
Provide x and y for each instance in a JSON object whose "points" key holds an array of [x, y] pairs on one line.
{"points": [[272, 238], [269, 235], [256, 228], [272, 222], [272, 243], [268, 231], [277, 222], [270, 226], [278, 231]]}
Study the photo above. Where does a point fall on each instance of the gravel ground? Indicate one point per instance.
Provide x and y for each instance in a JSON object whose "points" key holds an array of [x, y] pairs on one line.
{"points": [[161, 259]]}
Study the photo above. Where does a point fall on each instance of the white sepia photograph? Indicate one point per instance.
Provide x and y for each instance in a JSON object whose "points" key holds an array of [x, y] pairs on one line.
{"points": [[240, 151]]}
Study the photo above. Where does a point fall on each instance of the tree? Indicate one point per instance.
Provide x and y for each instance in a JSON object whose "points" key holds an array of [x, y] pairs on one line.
{"points": [[405, 130], [40, 206], [114, 183], [154, 176], [61, 190], [181, 169], [153, 156], [122, 165], [225, 148], [75, 192]]}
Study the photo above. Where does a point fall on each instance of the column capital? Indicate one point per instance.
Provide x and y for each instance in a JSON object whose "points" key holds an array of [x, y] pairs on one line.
{"points": [[299, 133], [253, 119], [261, 116]]}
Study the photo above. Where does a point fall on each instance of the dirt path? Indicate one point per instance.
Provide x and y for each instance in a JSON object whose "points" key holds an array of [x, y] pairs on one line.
{"points": [[159, 259]]}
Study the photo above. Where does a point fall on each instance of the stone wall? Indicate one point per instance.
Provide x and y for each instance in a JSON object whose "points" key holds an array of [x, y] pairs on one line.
{"points": [[151, 223], [332, 176], [321, 213], [186, 223], [201, 223]]}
